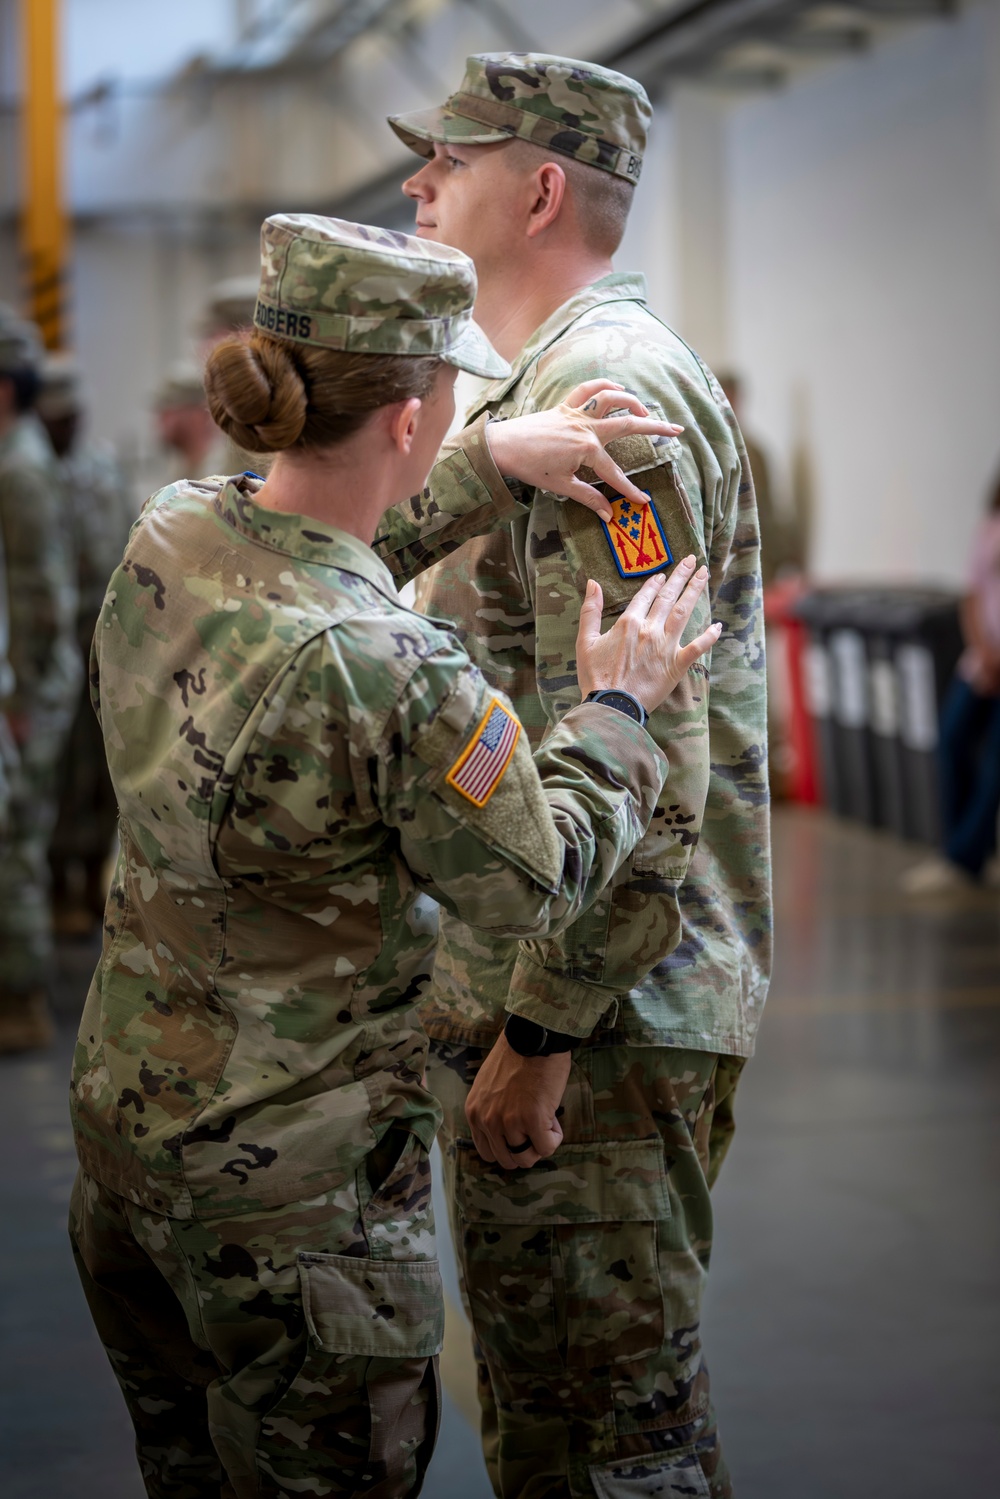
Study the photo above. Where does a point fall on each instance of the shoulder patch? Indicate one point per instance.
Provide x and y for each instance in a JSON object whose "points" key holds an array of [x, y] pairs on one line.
{"points": [[479, 769], [637, 539]]}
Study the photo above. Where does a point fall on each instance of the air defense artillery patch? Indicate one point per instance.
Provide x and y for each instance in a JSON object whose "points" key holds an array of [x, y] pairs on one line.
{"points": [[636, 538]]}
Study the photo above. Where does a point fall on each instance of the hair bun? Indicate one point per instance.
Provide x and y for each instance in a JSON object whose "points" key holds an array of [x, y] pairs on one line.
{"points": [[256, 394]]}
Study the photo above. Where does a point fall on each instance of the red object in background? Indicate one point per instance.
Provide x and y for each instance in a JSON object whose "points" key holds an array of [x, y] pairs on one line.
{"points": [[803, 783]]}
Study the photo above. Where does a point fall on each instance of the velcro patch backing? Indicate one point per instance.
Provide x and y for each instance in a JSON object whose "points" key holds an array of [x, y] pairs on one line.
{"points": [[479, 769]]}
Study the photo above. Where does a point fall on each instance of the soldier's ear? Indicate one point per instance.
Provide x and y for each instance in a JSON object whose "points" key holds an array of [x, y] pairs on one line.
{"points": [[404, 420], [550, 190]]}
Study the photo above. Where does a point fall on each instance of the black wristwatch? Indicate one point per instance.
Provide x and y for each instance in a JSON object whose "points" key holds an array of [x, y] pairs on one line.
{"points": [[529, 1039], [616, 697]]}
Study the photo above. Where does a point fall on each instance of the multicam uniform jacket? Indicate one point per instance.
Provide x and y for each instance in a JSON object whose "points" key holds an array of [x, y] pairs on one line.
{"points": [[41, 586], [297, 756], [677, 950]]}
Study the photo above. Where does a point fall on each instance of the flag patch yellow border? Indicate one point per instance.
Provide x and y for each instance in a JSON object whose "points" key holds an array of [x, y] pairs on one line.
{"points": [[479, 769]]}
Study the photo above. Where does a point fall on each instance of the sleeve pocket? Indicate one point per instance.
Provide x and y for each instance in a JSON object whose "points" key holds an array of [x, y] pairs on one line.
{"points": [[619, 1182], [373, 1308]]}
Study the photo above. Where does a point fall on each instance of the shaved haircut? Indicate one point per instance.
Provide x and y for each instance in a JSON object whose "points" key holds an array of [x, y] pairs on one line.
{"points": [[600, 200]]}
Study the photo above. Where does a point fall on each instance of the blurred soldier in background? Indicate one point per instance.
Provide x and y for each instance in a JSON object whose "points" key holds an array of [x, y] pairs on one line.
{"points": [[185, 428], [782, 531], [41, 589], [230, 309], [594, 1071], [100, 512]]}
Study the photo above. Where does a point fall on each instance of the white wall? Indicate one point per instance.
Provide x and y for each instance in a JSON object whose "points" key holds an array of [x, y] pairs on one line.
{"points": [[864, 266], [837, 240]]}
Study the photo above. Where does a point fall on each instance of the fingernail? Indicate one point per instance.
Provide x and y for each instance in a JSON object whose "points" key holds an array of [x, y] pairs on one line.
{"points": [[702, 572], [689, 561], [717, 627]]}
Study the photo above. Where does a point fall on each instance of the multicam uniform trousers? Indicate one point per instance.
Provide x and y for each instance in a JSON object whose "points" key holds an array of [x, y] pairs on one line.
{"points": [[583, 1276], [279, 1354]]}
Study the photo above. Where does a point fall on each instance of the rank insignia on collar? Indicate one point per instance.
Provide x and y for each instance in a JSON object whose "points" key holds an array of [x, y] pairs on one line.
{"points": [[636, 538]]}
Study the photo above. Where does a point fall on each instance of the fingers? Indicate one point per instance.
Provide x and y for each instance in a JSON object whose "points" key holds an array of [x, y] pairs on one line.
{"points": [[589, 629], [589, 388], [599, 405], [698, 647], [641, 604], [607, 428], [586, 494], [672, 590], [606, 468]]}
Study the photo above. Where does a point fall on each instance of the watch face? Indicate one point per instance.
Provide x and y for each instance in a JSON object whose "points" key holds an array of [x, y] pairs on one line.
{"points": [[621, 701]]}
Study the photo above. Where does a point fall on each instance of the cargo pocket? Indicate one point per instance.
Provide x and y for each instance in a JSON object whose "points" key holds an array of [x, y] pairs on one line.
{"points": [[561, 1259], [363, 1408], [373, 1308], [678, 1477]]}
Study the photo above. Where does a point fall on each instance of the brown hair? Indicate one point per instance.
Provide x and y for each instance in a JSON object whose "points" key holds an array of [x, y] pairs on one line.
{"points": [[268, 394], [600, 200]]}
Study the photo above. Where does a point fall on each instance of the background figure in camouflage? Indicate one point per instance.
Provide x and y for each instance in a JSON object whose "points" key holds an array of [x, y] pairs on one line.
{"points": [[101, 512], [230, 309], [296, 757], [584, 1272], [191, 445], [41, 592]]}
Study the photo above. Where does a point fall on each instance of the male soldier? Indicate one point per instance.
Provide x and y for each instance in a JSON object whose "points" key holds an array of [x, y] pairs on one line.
{"points": [[100, 513], [231, 306], [185, 428], [47, 671], [624, 1037]]}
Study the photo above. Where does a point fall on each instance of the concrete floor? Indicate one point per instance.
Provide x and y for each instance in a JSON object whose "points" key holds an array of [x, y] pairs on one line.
{"points": [[854, 1313]]}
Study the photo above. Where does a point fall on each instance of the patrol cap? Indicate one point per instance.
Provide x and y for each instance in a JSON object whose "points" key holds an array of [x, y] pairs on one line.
{"points": [[182, 385], [587, 112], [20, 342], [338, 285], [231, 304], [61, 392]]}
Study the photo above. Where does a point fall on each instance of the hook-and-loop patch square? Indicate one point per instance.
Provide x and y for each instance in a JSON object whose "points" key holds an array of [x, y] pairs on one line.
{"points": [[636, 537], [477, 772]]}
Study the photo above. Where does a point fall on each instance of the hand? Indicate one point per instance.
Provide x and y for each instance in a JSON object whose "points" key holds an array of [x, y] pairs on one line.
{"points": [[546, 449], [514, 1099], [641, 653]]}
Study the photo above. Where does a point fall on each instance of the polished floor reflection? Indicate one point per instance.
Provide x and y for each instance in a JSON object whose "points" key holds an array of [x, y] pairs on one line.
{"points": [[855, 1305]]}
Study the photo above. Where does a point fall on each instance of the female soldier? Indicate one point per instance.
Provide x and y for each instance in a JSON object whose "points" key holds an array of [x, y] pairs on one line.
{"points": [[296, 755]]}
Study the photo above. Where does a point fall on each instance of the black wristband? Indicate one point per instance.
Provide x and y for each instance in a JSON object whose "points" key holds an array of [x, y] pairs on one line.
{"points": [[529, 1039]]}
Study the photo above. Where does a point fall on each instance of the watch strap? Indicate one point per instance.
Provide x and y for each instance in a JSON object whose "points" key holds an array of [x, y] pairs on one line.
{"points": [[529, 1039]]}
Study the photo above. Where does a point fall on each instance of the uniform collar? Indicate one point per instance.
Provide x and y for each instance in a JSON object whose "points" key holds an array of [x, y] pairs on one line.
{"points": [[619, 286], [300, 536]]}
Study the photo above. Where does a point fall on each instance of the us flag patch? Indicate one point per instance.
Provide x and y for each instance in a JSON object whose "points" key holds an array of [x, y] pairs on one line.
{"points": [[636, 539], [477, 772]]}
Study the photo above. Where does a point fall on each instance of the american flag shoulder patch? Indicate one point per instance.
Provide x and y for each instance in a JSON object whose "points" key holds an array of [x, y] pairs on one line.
{"points": [[479, 769]]}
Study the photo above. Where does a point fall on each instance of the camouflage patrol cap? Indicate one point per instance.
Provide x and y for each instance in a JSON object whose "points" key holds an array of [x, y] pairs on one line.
{"points": [[230, 305], [20, 342], [584, 111], [182, 385], [61, 392], [338, 285]]}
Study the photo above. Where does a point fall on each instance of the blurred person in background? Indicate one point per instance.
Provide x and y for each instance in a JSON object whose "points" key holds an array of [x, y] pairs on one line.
{"points": [[192, 442], [230, 310], [969, 742], [297, 757], [587, 1080], [782, 533], [47, 671], [101, 511]]}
